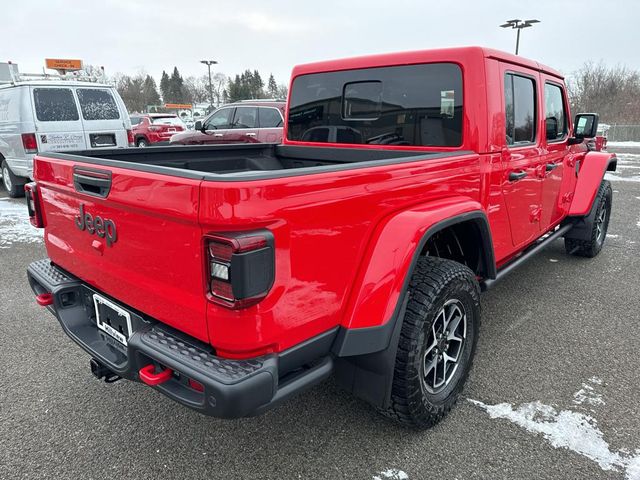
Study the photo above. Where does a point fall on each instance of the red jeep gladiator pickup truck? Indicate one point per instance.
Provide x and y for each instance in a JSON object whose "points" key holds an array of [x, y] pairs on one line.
{"points": [[232, 277]]}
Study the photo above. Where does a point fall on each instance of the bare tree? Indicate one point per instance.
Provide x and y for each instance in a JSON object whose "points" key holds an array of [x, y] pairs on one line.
{"points": [[613, 92]]}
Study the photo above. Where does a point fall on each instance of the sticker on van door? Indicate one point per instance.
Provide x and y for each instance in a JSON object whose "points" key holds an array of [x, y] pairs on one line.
{"points": [[51, 142]]}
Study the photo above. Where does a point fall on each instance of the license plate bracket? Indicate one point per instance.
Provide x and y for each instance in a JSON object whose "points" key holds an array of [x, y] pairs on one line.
{"points": [[112, 319]]}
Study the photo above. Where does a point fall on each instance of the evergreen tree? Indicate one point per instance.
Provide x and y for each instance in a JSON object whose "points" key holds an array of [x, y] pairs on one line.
{"points": [[272, 87], [150, 91], [177, 92], [164, 87]]}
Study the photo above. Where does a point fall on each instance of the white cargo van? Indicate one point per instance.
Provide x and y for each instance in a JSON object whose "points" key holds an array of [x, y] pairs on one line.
{"points": [[56, 116]]}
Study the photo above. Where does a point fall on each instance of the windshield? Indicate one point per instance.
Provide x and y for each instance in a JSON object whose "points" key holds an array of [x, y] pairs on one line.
{"points": [[418, 105], [174, 121]]}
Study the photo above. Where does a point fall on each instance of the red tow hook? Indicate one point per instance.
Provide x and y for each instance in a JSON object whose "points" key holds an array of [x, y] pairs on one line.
{"points": [[149, 376], [44, 299]]}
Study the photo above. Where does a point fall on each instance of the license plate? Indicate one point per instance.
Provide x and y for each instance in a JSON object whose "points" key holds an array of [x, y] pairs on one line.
{"points": [[112, 319], [102, 140]]}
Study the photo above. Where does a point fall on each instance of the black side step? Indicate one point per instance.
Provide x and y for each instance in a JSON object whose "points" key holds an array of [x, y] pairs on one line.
{"points": [[526, 255]]}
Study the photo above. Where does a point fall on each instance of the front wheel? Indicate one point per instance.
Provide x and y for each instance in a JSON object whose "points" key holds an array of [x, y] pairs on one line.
{"points": [[437, 342], [599, 227], [12, 183]]}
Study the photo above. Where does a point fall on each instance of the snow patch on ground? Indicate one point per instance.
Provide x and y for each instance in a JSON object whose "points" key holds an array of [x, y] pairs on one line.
{"points": [[568, 429], [623, 144], [616, 178], [587, 394], [611, 235], [391, 474], [15, 226]]}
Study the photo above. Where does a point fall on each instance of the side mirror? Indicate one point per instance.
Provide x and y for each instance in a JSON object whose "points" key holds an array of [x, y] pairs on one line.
{"points": [[198, 126], [552, 128], [586, 125]]}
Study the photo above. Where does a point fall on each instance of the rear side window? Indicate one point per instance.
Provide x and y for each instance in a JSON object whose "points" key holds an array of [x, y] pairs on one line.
{"points": [[520, 109], [269, 117], [554, 109], [55, 105], [97, 104], [245, 117], [419, 105], [175, 121]]}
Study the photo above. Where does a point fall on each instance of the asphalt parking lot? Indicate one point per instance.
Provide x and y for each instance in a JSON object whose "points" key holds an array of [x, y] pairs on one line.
{"points": [[554, 392]]}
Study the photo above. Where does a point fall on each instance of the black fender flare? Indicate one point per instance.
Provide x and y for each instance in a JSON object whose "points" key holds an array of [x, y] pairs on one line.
{"points": [[365, 357]]}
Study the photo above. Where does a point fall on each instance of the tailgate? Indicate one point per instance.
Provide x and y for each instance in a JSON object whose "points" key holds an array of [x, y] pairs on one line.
{"points": [[132, 235]]}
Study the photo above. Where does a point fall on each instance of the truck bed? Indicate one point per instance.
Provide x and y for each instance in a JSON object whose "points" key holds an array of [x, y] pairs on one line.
{"points": [[243, 162]]}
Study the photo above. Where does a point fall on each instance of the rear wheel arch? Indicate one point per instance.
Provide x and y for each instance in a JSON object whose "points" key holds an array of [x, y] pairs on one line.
{"points": [[366, 356]]}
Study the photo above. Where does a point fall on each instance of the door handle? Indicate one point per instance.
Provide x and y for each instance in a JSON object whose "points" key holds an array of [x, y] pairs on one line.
{"points": [[218, 134], [551, 166], [515, 176], [250, 134]]}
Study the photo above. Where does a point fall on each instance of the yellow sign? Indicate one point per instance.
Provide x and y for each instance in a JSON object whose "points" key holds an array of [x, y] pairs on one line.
{"points": [[63, 64], [178, 105]]}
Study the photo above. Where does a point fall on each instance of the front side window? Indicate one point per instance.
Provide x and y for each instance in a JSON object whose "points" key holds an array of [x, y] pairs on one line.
{"points": [[97, 104], [418, 105], [219, 119], [245, 117], [520, 109], [55, 105], [555, 112], [269, 117]]}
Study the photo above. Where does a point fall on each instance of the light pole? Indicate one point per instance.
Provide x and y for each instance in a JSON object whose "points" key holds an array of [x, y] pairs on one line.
{"points": [[208, 63], [519, 25]]}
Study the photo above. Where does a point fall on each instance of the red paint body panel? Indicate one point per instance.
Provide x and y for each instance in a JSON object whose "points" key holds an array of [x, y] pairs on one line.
{"points": [[592, 169], [154, 132], [344, 240], [155, 265]]}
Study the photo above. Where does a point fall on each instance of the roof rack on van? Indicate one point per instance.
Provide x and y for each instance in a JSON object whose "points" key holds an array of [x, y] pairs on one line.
{"points": [[9, 75]]}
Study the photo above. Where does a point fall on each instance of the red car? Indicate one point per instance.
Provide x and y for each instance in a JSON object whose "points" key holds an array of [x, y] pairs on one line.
{"points": [[250, 121], [232, 277], [155, 128]]}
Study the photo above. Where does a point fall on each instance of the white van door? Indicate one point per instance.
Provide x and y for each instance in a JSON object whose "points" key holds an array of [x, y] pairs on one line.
{"points": [[57, 119], [103, 120]]}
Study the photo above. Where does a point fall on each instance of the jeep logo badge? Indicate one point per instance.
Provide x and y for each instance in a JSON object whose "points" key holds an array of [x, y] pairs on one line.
{"points": [[104, 228]]}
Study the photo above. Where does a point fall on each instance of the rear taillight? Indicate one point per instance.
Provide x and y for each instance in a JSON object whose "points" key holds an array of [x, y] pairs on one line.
{"points": [[241, 267], [29, 143], [33, 204], [130, 138]]}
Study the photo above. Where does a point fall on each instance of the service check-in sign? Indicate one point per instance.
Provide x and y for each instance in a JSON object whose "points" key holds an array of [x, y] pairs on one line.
{"points": [[63, 64]]}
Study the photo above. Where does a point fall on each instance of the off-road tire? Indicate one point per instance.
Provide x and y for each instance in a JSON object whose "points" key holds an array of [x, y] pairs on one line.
{"points": [[590, 248], [435, 281], [15, 187], [142, 143]]}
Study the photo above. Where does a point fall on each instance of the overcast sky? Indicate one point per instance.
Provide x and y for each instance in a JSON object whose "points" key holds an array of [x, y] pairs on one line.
{"points": [[151, 35]]}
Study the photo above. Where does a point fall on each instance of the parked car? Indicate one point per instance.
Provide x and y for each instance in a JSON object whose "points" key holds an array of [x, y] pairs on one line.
{"points": [[155, 128], [250, 121], [231, 277], [56, 116]]}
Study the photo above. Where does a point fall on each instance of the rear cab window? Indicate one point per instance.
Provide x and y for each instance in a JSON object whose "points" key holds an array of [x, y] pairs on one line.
{"points": [[97, 104], [413, 105], [55, 105], [520, 109]]}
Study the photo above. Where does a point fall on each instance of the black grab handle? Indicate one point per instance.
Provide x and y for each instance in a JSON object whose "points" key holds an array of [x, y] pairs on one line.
{"points": [[92, 181]]}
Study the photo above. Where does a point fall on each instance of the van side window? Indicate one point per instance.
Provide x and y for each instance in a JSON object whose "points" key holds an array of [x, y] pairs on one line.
{"points": [[97, 104], [555, 110], [520, 109], [55, 105]]}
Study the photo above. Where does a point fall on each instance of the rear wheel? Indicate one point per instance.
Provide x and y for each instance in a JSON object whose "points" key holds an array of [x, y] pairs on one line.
{"points": [[13, 184], [591, 247], [437, 342], [142, 143]]}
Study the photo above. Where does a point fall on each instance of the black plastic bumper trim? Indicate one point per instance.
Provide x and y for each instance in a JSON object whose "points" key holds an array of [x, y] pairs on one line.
{"points": [[231, 388]]}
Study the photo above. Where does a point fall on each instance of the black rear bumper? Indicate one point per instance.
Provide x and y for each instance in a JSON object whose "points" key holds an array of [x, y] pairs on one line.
{"points": [[231, 388]]}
